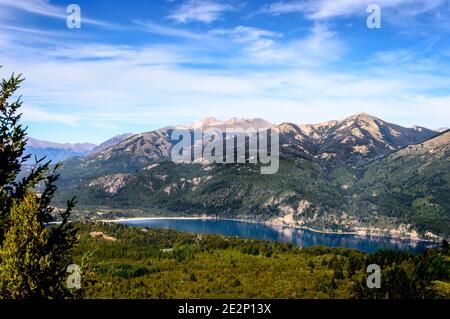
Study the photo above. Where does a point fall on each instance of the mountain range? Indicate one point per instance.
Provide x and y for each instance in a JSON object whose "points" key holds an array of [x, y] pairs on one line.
{"points": [[58, 152], [359, 174]]}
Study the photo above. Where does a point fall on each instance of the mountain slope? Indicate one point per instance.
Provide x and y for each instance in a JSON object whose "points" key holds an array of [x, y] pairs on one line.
{"points": [[136, 152], [294, 142], [360, 138], [352, 141], [111, 142], [129, 156], [379, 195], [412, 184]]}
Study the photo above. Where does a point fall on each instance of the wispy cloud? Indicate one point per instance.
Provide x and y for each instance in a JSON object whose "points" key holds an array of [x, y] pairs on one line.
{"points": [[155, 28], [123, 91], [92, 82], [319, 46], [44, 8], [40, 7], [31, 31], [39, 115], [204, 11], [243, 34], [192, 71], [324, 9], [285, 7]]}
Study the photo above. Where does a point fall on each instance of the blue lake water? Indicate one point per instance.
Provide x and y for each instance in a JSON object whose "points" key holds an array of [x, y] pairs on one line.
{"points": [[298, 237]]}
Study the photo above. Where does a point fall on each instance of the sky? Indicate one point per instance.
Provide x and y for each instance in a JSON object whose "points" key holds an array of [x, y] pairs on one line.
{"points": [[136, 65]]}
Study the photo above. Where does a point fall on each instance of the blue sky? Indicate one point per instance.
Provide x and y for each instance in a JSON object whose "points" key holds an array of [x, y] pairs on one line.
{"points": [[139, 65]]}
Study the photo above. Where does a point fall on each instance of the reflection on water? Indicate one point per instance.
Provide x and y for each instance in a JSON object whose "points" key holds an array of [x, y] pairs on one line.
{"points": [[298, 237]]}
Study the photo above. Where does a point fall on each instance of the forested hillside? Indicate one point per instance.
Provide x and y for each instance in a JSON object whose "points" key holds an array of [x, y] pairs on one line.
{"points": [[159, 263], [361, 175]]}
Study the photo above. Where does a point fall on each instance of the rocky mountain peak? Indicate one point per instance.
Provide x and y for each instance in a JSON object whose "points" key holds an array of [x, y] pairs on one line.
{"points": [[207, 122], [234, 122], [363, 116]]}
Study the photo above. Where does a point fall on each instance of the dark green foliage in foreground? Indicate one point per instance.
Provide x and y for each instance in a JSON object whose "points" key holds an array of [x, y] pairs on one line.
{"points": [[407, 276], [33, 258], [160, 263], [12, 147]]}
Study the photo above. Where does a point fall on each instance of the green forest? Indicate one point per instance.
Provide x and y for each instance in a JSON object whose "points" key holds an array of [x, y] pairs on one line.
{"points": [[160, 263]]}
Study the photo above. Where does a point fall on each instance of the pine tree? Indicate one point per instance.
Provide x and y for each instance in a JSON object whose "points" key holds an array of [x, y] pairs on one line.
{"points": [[28, 258], [12, 148], [33, 257]]}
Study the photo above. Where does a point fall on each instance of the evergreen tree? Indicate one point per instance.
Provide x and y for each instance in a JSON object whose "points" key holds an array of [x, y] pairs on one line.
{"points": [[33, 257], [12, 147], [30, 265]]}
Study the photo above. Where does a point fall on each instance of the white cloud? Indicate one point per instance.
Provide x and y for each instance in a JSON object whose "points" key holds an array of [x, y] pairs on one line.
{"points": [[242, 34], [285, 7], [204, 11], [319, 47], [324, 9], [44, 8], [87, 83], [155, 28], [39, 115], [33, 31], [40, 7], [118, 92], [152, 55]]}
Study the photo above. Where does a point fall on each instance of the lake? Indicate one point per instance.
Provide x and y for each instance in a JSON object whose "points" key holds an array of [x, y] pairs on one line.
{"points": [[298, 237]]}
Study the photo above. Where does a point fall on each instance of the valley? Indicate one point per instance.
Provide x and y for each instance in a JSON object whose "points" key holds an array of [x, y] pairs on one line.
{"points": [[361, 175]]}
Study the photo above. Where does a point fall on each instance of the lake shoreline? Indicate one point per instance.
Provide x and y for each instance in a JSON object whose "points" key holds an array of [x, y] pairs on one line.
{"points": [[268, 223]]}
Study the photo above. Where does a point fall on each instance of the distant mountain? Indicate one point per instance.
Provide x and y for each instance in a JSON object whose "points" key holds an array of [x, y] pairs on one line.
{"points": [[55, 152], [59, 152], [359, 174], [112, 141], [78, 147]]}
